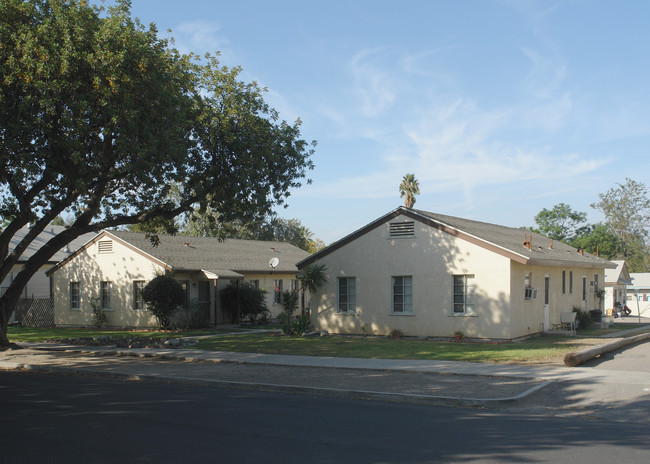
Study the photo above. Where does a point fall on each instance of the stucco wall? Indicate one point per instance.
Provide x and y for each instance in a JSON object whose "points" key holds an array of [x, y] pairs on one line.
{"points": [[431, 258], [90, 268], [528, 315]]}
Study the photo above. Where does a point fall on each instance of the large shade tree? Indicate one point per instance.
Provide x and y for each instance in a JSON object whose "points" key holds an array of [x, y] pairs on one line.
{"points": [[100, 119]]}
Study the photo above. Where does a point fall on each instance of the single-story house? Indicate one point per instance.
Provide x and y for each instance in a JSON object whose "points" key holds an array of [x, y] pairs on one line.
{"points": [[39, 286], [638, 294], [616, 282], [115, 266], [428, 274]]}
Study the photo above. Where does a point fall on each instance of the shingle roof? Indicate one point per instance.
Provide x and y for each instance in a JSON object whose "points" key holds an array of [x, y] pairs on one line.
{"points": [[44, 237], [211, 254], [507, 241]]}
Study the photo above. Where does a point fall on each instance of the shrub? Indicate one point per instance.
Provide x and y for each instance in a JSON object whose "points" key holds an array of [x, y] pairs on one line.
{"points": [[163, 296], [252, 301], [583, 317], [300, 325], [192, 317], [99, 316]]}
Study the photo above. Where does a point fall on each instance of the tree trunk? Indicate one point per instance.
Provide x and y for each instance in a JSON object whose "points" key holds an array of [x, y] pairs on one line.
{"points": [[6, 308]]}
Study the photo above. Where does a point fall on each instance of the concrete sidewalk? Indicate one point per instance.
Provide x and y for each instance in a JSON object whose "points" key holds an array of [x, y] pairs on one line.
{"points": [[435, 382], [416, 381]]}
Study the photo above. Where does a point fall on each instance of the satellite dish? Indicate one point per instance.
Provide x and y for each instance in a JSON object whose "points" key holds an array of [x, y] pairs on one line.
{"points": [[274, 262]]}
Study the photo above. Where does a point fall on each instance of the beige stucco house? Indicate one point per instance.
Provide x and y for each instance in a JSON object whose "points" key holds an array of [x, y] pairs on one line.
{"points": [[616, 282], [638, 294], [39, 286], [429, 274], [115, 266]]}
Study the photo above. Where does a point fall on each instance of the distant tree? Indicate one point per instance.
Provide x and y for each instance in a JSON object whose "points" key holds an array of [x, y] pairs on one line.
{"points": [[155, 226], [597, 239], [59, 221], [627, 215], [408, 189], [561, 223], [101, 119], [270, 227]]}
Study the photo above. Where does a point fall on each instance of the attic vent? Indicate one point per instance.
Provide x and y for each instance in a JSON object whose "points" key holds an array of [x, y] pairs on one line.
{"points": [[402, 229], [105, 246]]}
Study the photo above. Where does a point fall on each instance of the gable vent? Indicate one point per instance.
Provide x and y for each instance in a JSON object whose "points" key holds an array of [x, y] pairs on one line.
{"points": [[402, 229], [105, 246]]}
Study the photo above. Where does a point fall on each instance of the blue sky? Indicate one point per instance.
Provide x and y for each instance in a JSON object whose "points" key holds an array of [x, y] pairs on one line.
{"points": [[499, 108]]}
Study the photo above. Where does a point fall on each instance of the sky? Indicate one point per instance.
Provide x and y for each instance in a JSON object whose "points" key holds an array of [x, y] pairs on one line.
{"points": [[500, 108]]}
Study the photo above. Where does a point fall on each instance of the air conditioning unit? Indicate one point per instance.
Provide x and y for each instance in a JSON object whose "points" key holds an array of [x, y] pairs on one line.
{"points": [[530, 293]]}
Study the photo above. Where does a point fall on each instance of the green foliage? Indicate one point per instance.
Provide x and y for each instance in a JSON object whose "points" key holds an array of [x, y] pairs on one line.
{"points": [[191, 317], [271, 228], [627, 215], [560, 223], [408, 188], [99, 316], [103, 121], [313, 277], [163, 295], [583, 317], [300, 325], [250, 300]]}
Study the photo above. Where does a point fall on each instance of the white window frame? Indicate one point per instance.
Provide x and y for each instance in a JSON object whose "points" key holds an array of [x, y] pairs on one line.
{"points": [[346, 303], [463, 294], [106, 294], [138, 300], [277, 289], [405, 283], [75, 287]]}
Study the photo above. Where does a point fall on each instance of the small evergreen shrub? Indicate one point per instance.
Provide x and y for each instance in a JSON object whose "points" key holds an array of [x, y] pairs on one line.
{"points": [[163, 295], [252, 301]]}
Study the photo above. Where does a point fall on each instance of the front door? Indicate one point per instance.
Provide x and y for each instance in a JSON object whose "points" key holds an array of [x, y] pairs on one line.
{"points": [[547, 299], [204, 299]]}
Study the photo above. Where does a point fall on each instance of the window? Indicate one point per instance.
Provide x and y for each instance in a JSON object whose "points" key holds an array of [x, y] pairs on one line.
{"points": [[403, 294], [347, 294], [571, 282], [294, 285], [75, 296], [105, 294], [530, 293], [402, 229], [138, 300], [277, 296], [595, 282], [255, 283], [584, 288], [563, 282], [464, 294]]}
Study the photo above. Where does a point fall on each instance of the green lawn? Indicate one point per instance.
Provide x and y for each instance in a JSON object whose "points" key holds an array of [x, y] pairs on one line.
{"points": [[535, 350], [545, 349], [26, 334]]}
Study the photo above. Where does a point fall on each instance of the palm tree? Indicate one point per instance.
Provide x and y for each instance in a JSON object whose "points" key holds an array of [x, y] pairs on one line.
{"points": [[408, 189], [311, 279]]}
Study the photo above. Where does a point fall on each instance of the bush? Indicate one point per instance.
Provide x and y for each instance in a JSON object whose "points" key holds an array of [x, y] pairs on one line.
{"points": [[99, 316], [252, 301], [163, 296], [300, 325], [583, 317], [192, 317]]}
